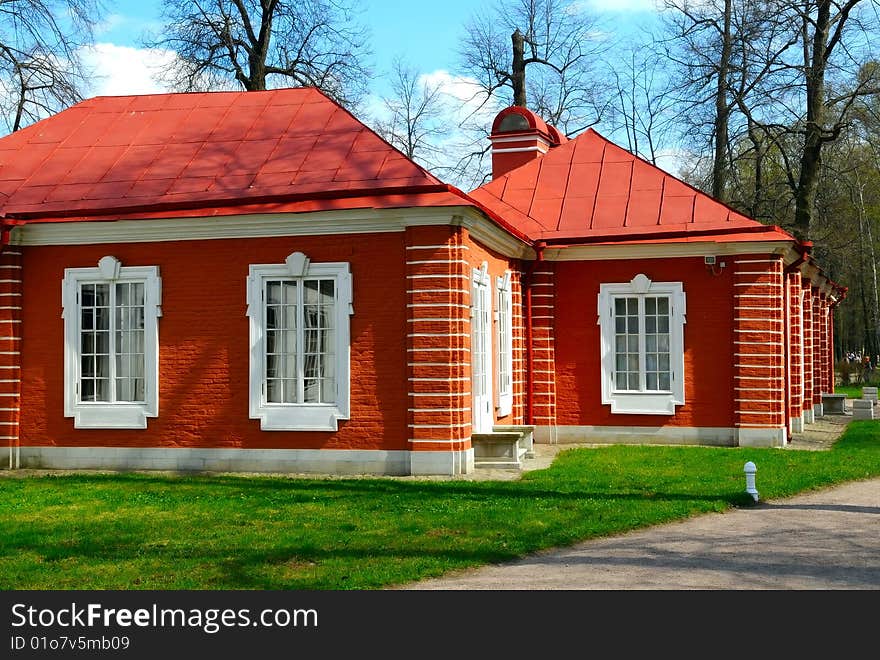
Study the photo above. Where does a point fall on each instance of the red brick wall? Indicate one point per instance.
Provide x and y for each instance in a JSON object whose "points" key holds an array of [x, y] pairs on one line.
{"points": [[818, 347], [759, 334], [203, 338], [808, 344], [438, 351], [708, 338], [10, 347], [795, 346]]}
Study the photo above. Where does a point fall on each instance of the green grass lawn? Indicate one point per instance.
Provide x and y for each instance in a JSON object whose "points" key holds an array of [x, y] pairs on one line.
{"points": [[851, 391], [137, 531]]}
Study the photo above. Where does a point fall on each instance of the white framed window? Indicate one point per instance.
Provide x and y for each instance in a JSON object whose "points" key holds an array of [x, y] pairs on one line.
{"points": [[299, 344], [642, 345], [504, 337], [111, 344]]}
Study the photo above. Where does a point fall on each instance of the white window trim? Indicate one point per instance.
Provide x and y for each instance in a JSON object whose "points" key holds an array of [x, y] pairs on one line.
{"points": [[299, 416], [120, 415], [643, 403], [504, 403]]}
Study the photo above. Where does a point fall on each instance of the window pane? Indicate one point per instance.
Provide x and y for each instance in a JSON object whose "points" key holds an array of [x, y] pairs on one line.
{"points": [[651, 381], [102, 318], [620, 343], [327, 292], [289, 390], [273, 391], [632, 306], [651, 343], [632, 363], [663, 306], [102, 342], [88, 366], [620, 324], [102, 389], [290, 317], [273, 293], [651, 362], [664, 362], [665, 382], [328, 394], [663, 343], [310, 292], [87, 390], [122, 294], [663, 324], [633, 382], [122, 366], [102, 295], [88, 342], [620, 306], [650, 305], [632, 325], [312, 391], [87, 319], [290, 293], [312, 367], [650, 324], [137, 294], [87, 295]]}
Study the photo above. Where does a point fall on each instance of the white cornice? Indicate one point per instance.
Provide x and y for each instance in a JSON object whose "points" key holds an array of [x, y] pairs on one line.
{"points": [[492, 236], [317, 223], [661, 250]]}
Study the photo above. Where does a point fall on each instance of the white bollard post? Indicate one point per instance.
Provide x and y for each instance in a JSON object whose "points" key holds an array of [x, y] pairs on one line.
{"points": [[750, 470]]}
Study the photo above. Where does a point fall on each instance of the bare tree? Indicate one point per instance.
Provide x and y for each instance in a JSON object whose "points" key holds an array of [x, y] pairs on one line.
{"points": [[40, 68], [258, 44], [557, 44], [828, 29], [644, 108], [415, 118]]}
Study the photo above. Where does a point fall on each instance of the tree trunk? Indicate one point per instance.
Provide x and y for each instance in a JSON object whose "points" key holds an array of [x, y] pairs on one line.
{"points": [[722, 109], [811, 157], [518, 70]]}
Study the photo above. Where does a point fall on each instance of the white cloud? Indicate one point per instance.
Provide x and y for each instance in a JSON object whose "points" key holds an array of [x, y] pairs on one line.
{"points": [[463, 97], [122, 70]]}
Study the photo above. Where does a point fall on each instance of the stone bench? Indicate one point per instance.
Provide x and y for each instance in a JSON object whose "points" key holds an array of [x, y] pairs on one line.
{"points": [[863, 409], [869, 393], [505, 447], [834, 404], [527, 436], [498, 449]]}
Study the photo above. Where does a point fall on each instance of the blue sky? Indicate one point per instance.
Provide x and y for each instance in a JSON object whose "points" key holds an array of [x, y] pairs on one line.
{"points": [[424, 33]]}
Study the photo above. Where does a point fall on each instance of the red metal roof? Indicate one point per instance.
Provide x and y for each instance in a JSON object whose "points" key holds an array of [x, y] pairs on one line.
{"points": [[202, 150], [589, 189]]}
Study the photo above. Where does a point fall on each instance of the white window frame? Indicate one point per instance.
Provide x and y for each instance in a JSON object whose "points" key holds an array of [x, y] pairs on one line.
{"points": [[122, 414], [645, 402], [299, 416], [504, 339]]}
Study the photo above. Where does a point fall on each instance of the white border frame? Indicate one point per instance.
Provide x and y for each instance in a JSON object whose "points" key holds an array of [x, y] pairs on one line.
{"points": [[121, 415], [300, 416], [642, 403], [504, 400]]}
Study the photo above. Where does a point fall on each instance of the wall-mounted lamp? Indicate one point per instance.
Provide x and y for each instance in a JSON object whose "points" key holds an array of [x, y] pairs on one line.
{"points": [[712, 264]]}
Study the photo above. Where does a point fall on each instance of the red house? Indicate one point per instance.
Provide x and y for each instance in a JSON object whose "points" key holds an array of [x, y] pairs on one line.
{"points": [[257, 282]]}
